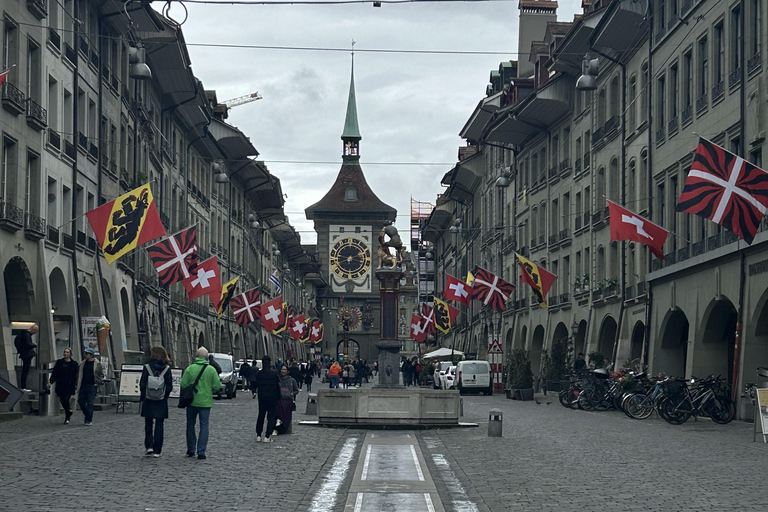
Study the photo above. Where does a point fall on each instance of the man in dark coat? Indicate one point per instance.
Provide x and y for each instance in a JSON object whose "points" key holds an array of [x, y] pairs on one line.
{"points": [[26, 349], [64, 375], [267, 382], [295, 372]]}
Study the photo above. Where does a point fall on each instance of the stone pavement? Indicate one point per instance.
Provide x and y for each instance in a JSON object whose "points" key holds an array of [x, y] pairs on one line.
{"points": [[549, 458]]}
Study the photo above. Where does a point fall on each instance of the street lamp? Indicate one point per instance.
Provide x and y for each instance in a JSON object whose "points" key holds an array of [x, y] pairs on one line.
{"points": [[589, 69], [253, 222], [221, 176]]}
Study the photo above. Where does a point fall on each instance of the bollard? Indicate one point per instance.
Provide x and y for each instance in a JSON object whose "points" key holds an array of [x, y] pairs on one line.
{"points": [[312, 404], [494, 423], [461, 407]]}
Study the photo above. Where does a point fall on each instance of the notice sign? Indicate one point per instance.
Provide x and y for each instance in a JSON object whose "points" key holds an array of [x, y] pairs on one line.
{"points": [[762, 411], [130, 377], [176, 372], [89, 332]]}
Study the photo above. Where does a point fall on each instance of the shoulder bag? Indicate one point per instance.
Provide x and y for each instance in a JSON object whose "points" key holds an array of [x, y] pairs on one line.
{"points": [[187, 393]]}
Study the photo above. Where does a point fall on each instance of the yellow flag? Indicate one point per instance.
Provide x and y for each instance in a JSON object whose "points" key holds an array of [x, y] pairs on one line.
{"points": [[470, 278], [227, 292]]}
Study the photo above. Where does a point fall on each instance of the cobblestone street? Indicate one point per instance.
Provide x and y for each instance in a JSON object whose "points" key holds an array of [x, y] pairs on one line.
{"points": [[549, 458]]}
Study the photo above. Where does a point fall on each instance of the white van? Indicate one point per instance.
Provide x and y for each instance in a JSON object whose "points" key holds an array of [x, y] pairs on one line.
{"points": [[474, 376]]}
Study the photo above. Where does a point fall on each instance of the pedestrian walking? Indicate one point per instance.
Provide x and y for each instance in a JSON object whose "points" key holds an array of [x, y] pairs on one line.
{"points": [[64, 376], [333, 374], [208, 384], [90, 376], [289, 388], [308, 378], [155, 386], [26, 350], [267, 383], [245, 369], [295, 372]]}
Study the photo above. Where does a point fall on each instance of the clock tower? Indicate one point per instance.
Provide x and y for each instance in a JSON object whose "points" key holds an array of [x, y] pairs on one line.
{"points": [[347, 221]]}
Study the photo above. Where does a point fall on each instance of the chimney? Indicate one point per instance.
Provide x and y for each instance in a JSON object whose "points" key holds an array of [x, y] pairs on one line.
{"points": [[534, 16]]}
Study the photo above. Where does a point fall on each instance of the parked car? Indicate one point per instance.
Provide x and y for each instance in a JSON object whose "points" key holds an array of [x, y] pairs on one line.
{"points": [[474, 376], [448, 378], [440, 370], [228, 376]]}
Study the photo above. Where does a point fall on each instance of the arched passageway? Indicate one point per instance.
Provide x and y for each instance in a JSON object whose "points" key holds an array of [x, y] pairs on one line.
{"points": [[714, 353], [672, 346]]}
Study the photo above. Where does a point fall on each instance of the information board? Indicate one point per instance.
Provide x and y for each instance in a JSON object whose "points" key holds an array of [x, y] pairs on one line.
{"points": [[130, 377], [176, 372], [761, 415]]}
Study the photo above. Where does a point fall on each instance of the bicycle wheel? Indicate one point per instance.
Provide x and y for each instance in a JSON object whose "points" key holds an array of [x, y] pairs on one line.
{"points": [[574, 399], [639, 407], [720, 409], [675, 411], [588, 399], [564, 397]]}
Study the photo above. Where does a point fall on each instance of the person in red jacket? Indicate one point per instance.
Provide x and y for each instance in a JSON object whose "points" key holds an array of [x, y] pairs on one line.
{"points": [[333, 373]]}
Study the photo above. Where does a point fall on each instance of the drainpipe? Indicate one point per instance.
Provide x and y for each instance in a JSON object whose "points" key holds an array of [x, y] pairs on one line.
{"points": [[75, 135], [649, 184]]}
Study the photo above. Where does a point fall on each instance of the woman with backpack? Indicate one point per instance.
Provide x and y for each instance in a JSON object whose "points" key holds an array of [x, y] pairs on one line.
{"points": [[156, 385]]}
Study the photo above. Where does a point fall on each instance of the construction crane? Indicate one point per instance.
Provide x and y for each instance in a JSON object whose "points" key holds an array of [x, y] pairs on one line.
{"points": [[242, 100]]}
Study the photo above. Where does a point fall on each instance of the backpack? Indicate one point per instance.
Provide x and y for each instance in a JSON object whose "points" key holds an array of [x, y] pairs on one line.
{"points": [[155, 384]]}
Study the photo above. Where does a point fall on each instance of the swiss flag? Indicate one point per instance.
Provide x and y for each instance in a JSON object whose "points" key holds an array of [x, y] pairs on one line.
{"points": [[316, 332], [417, 333], [457, 290], [272, 315], [296, 327], [204, 280], [3, 76], [626, 225]]}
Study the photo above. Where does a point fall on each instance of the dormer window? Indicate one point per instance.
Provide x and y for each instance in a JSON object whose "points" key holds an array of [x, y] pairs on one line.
{"points": [[350, 194]]}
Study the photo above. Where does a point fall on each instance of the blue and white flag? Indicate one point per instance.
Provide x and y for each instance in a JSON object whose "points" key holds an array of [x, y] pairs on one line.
{"points": [[275, 280]]}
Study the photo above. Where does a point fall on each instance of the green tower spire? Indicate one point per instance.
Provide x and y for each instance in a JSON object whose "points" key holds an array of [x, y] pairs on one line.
{"points": [[351, 134]]}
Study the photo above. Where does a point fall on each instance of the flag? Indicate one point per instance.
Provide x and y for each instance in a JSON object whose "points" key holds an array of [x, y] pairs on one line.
{"points": [[417, 333], [626, 225], [272, 316], [3, 76], [124, 223], [286, 317], [317, 333], [227, 291], [725, 189], [247, 307], [307, 330], [445, 316], [275, 280], [470, 279], [539, 279], [174, 257], [491, 290], [427, 319], [297, 326], [204, 280], [457, 290]]}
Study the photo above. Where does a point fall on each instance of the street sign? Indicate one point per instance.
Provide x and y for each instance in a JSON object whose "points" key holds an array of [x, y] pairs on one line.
{"points": [[495, 348]]}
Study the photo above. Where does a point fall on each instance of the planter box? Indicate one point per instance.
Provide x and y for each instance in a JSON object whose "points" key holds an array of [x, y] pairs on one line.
{"points": [[509, 393], [524, 394], [554, 386]]}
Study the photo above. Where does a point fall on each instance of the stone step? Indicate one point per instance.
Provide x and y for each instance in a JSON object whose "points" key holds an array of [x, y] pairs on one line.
{"points": [[3, 407], [29, 406], [10, 416]]}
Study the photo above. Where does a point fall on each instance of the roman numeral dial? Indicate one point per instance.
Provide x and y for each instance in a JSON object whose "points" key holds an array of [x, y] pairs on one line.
{"points": [[350, 258]]}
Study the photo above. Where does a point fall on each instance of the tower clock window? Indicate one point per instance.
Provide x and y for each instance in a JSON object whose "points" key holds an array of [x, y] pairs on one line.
{"points": [[350, 194]]}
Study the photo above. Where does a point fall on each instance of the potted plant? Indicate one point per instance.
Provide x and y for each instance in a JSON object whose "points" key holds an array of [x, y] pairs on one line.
{"points": [[557, 365], [577, 284], [520, 375], [585, 282], [595, 359]]}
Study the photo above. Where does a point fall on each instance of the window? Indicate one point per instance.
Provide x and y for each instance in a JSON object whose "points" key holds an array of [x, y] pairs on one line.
{"points": [[53, 103], [719, 53], [9, 171], [11, 49], [673, 214], [661, 93], [735, 55], [600, 198], [543, 165], [661, 17], [643, 185], [33, 71], [554, 217], [687, 79], [632, 93], [631, 185], [566, 211], [555, 151], [542, 222], [613, 105], [660, 205], [673, 12], [613, 180], [756, 25], [33, 184], [601, 108], [600, 264], [567, 143], [673, 92], [534, 226], [703, 68], [644, 92], [756, 157], [614, 269]]}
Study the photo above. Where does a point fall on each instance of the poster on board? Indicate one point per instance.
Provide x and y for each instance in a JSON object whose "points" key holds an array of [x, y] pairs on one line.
{"points": [[176, 372], [89, 332], [130, 377], [762, 410]]}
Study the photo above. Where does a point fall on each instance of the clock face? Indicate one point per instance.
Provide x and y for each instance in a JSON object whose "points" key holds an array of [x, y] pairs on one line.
{"points": [[350, 258]]}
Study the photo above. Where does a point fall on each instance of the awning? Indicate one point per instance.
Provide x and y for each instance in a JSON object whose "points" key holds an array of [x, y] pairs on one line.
{"points": [[622, 27], [473, 129], [443, 353], [505, 128], [438, 223], [234, 142], [462, 184], [568, 56], [550, 104]]}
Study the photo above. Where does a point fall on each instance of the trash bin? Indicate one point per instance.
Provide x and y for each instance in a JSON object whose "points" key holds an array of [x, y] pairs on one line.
{"points": [[311, 404]]}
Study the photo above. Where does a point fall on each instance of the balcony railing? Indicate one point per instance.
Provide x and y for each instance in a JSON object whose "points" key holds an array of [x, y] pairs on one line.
{"points": [[701, 102], [687, 114], [533, 243], [54, 38], [553, 300], [53, 235], [553, 240], [586, 161], [91, 244], [577, 223], [554, 173], [735, 77], [698, 248], [542, 240], [82, 141], [11, 216], [565, 298], [597, 136], [683, 253], [13, 98], [713, 242], [34, 226], [565, 165], [93, 151], [660, 135], [629, 293], [660, 31], [38, 7], [54, 139], [68, 241], [587, 215], [642, 288], [69, 150], [80, 238], [523, 251], [754, 63], [718, 90], [37, 116], [565, 234], [597, 218], [611, 125], [70, 53], [672, 126], [686, 7]]}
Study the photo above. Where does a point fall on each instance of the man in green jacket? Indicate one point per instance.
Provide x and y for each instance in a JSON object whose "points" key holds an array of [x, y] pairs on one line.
{"points": [[208, 384]]}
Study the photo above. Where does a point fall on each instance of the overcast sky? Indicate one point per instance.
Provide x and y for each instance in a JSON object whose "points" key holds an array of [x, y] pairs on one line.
{"points": [[411, 106]]}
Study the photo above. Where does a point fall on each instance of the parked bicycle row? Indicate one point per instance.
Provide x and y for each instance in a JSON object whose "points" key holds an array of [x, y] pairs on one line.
{"points": [[639, 396]]}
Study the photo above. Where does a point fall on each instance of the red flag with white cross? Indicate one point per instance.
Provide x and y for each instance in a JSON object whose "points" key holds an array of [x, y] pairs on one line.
{"points": [[246, 307], [626, 225], [457, 290], [204, 280], [417, 333], [316, 332], [296, 327], [272, 315]]}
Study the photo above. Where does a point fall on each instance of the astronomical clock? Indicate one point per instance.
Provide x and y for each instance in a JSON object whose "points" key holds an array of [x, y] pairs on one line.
{"points": [[350, 259]]}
